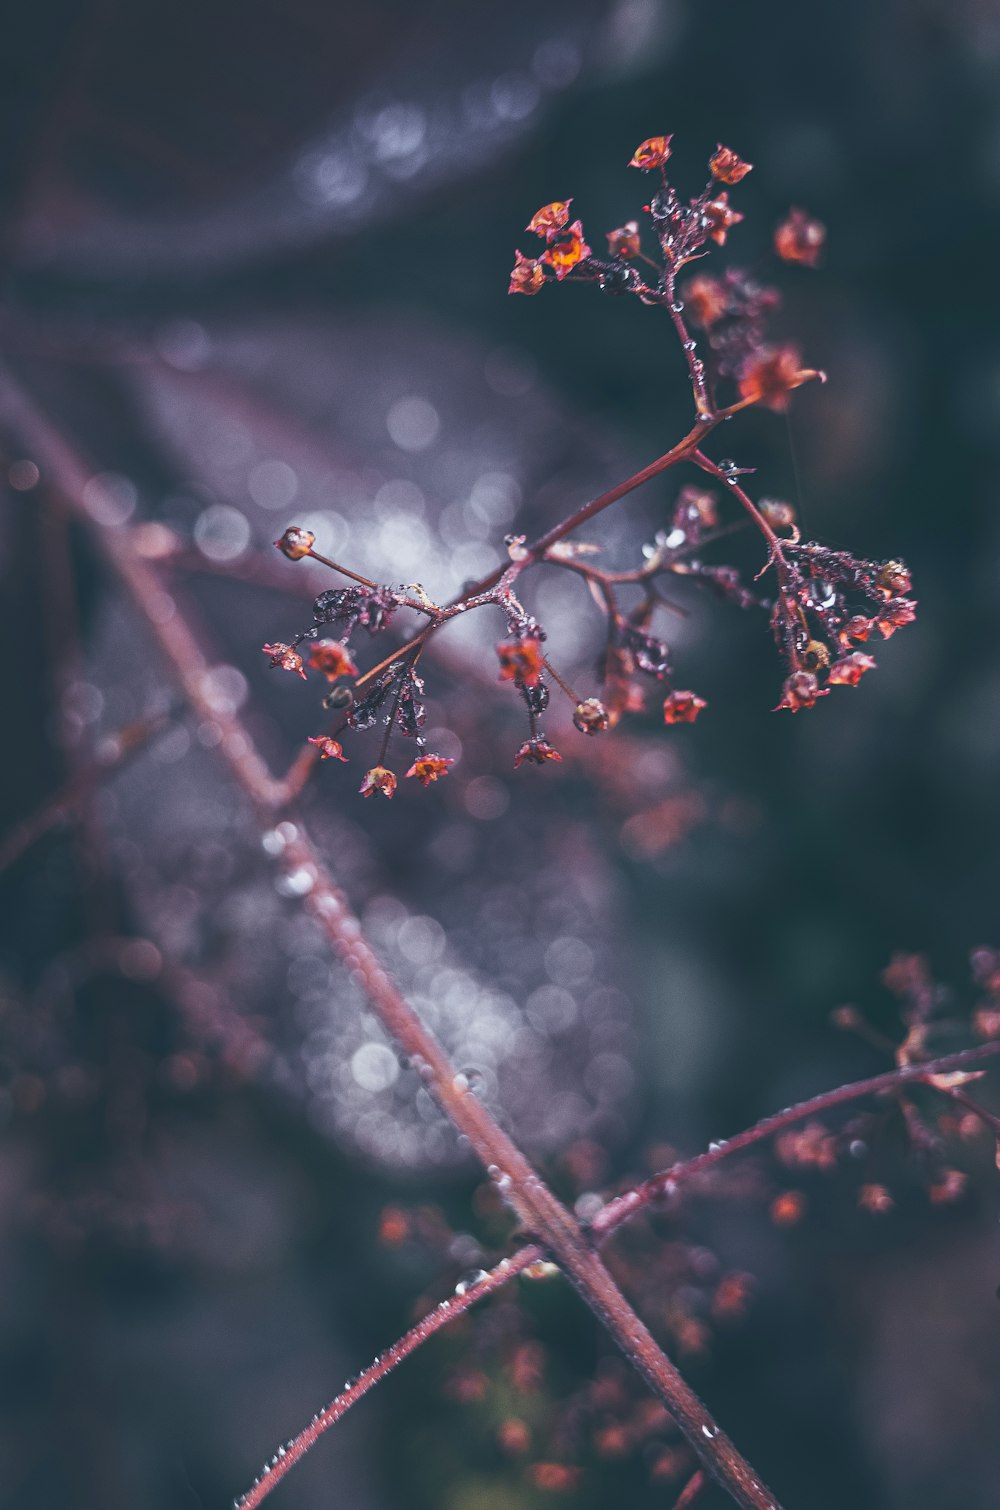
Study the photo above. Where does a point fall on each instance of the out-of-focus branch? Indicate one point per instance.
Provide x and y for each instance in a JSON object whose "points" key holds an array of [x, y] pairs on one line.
{"points": [[114, 751], [629, 1204]]}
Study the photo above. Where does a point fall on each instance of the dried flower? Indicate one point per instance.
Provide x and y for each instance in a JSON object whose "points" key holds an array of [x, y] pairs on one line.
{"points": [[770, 375], [894, 615], [550, 219], [285, 657], [799, 239], [779, 515], [296, 543], [721, 218], [332, 658], [591, 716], [537, 750], [521, 661], [800, 690], [849, 670], [563, 254], [726, 166], [705, 300], [329, 749], [428, 768], [893, 578], [949, 1188], [527, 275], [682, 707], [378, 779], [788, 1208], [652, 153], [875, 1198], [624, 242]]}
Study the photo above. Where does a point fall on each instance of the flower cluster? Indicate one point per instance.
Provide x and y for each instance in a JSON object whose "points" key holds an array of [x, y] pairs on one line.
{"points": [[823, 604]]}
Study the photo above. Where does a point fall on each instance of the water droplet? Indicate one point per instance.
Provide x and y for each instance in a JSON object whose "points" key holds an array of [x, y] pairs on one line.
{"points": [[469, 1279], [858, 1148], [715, 1147], [677, 306], [469, 1079], [710, 1432]]}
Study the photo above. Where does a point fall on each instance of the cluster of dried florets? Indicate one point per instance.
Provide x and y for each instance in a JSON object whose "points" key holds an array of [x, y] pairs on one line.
{"points": [[826, 602], [818, 618]]}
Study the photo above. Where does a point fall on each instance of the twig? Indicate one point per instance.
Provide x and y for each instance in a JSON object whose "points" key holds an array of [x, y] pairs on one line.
{"points": [[625, 1206], [288, 1455]]}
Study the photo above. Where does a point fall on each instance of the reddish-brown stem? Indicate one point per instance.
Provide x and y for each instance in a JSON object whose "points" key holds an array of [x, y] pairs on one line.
{"points": [[684, 450], [691, 1491], [625, 1206], [538, 1209], [113, 752], [336, 566], [287, 1456], [714, 470]]}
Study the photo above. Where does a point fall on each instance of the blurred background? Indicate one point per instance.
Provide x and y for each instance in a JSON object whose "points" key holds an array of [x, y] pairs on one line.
{"points": [[254, 263]]}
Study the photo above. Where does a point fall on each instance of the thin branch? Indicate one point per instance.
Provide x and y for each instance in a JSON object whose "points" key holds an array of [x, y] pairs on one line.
{"points": [[287, 1456], [629, 1204]]}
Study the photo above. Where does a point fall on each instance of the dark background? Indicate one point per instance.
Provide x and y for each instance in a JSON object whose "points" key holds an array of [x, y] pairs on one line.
{"points": [[233, 237]]}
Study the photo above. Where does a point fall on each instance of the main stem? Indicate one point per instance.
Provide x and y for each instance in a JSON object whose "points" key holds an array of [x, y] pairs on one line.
{"points": [[538, 1209]]}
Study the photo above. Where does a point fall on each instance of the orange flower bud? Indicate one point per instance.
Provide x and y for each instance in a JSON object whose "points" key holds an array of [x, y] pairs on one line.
{"points": [[652, 153], [550, 219], [329, 749], [721, 218], [682, 707], [705, 300], [378, 779], [296, 543], [624, 242], [564, 253], [591, 716], [332, 658], [799, 239], [285, 657], [726, 166], [428, 768], [527, 275]]}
